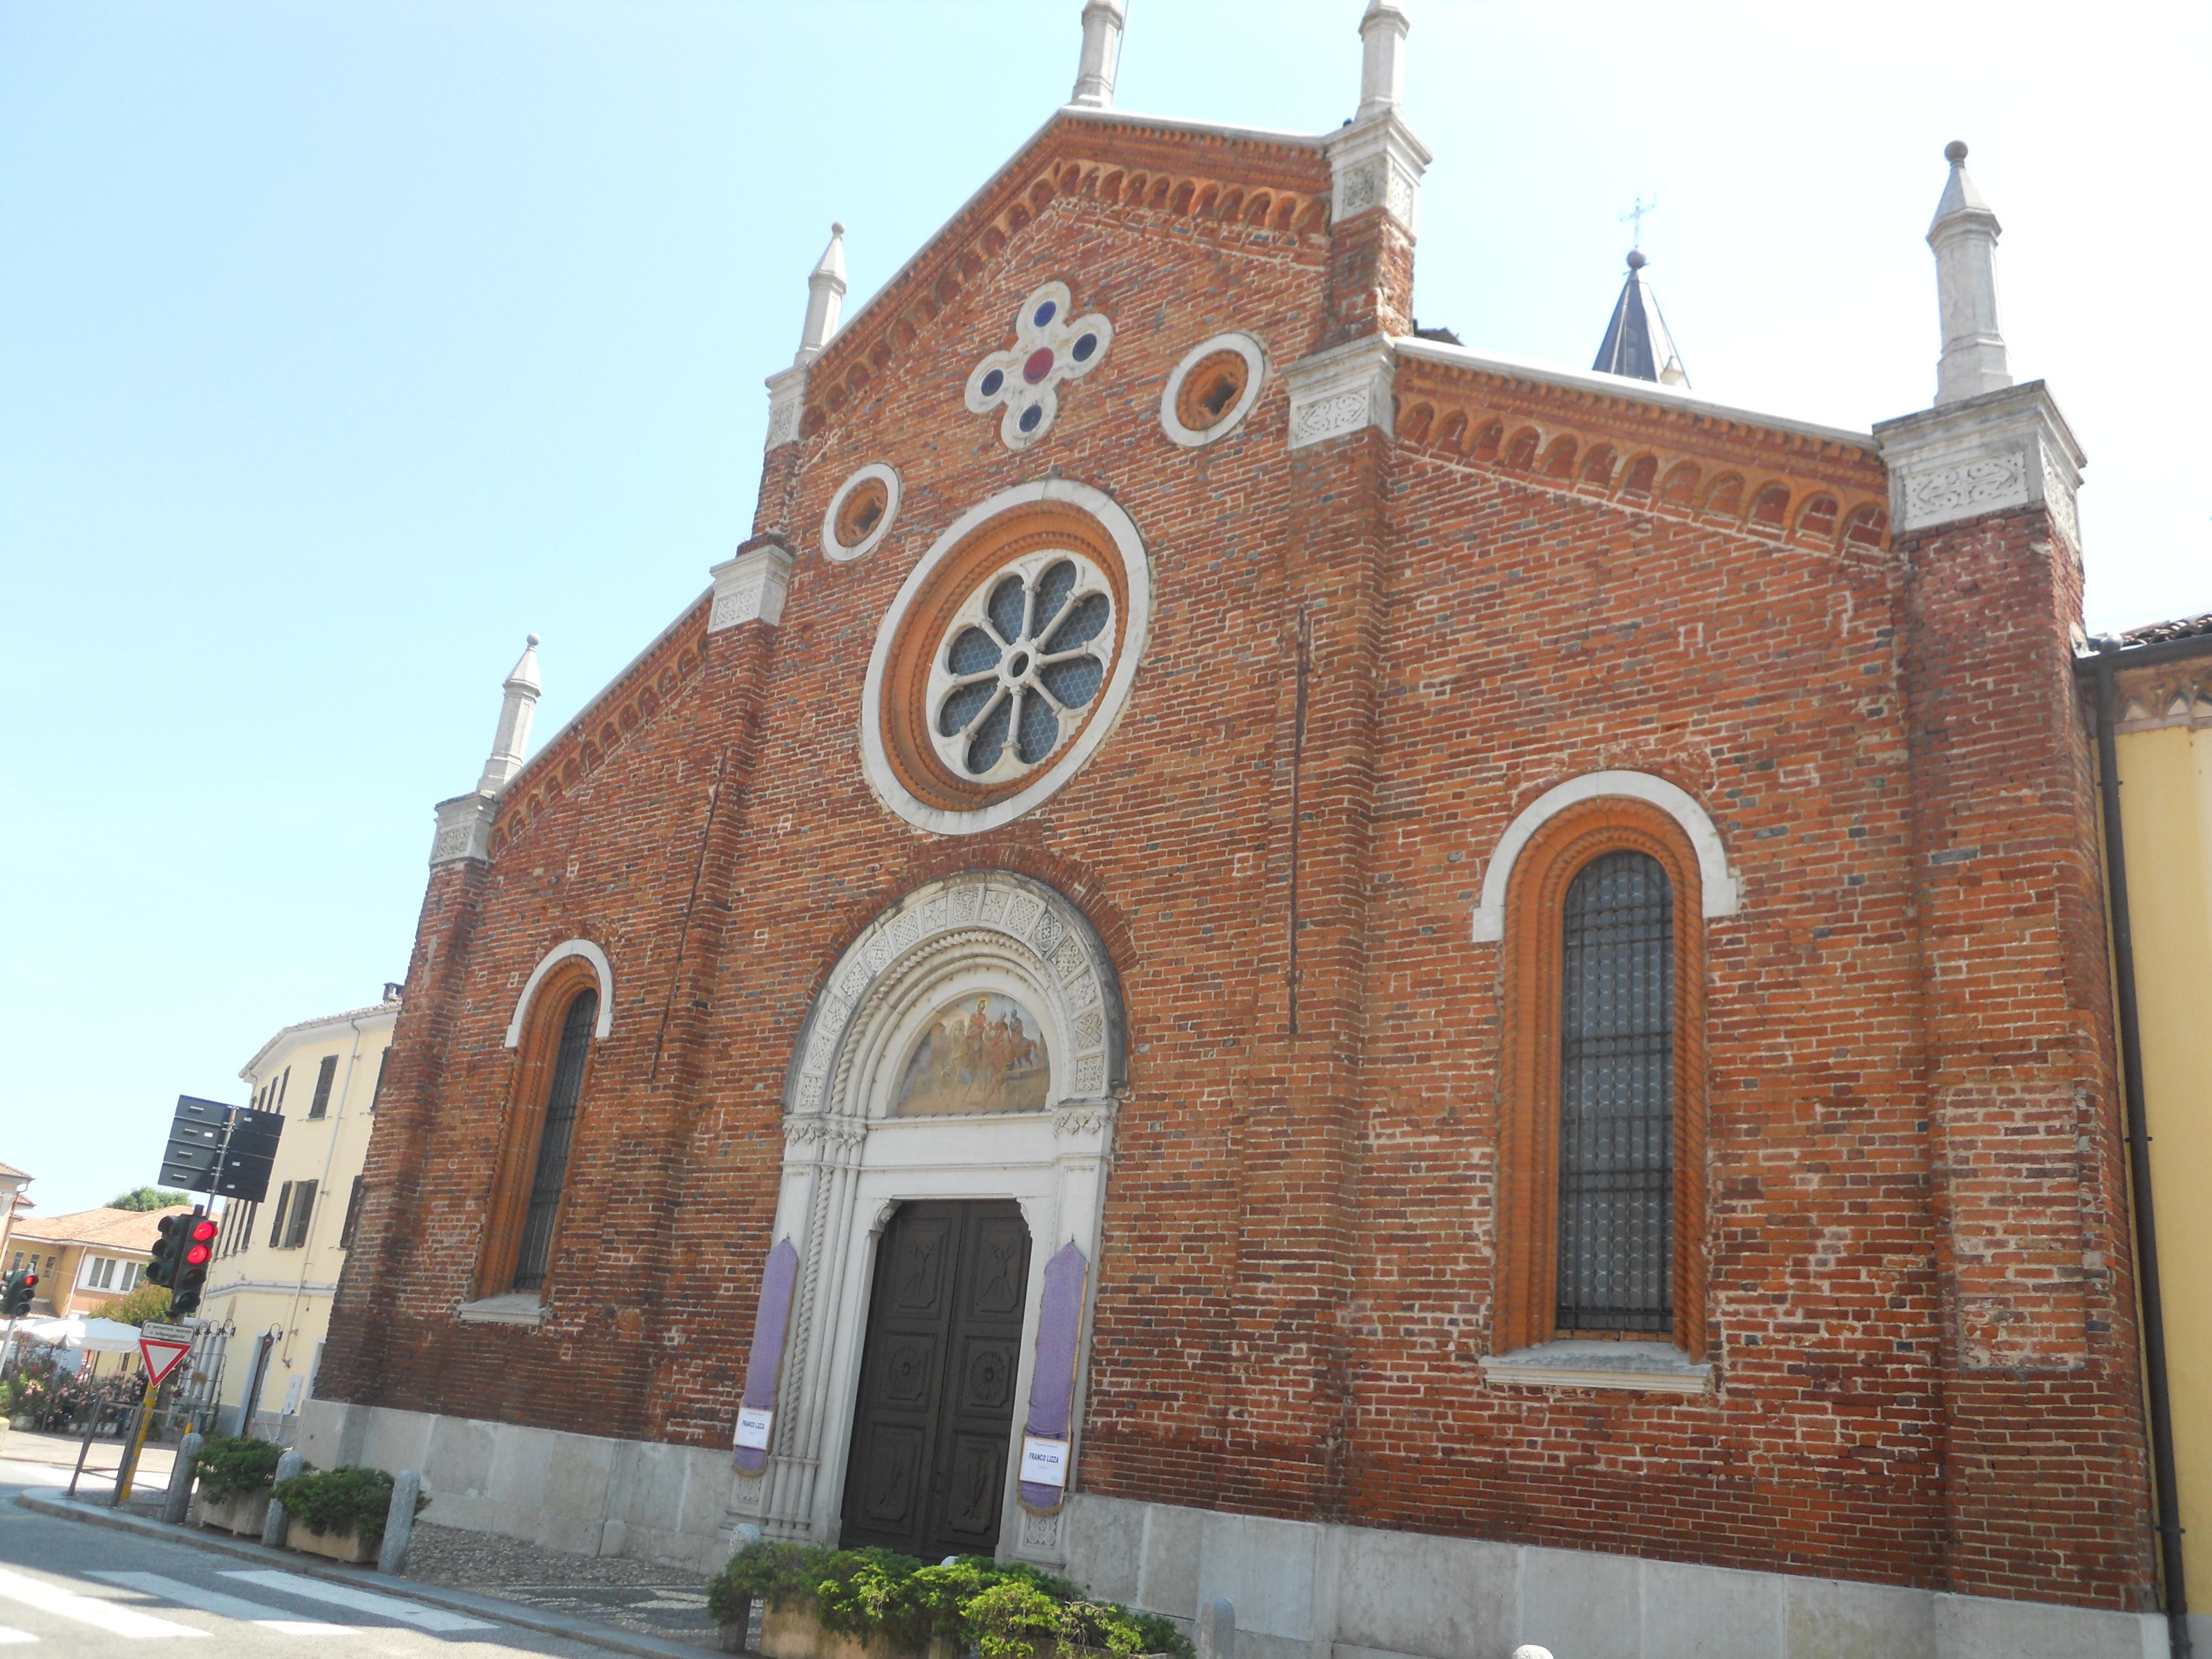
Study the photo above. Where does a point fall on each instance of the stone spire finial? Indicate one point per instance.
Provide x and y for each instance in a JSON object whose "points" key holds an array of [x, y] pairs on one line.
{"points": [[1103, 22], [1965, 237], [825, 296], [1382, 57], [519, 703]]}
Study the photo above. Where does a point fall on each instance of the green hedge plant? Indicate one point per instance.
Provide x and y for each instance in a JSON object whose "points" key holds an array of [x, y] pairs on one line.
{"points": [[1002, 1611], [230, 1466], [343, 1499]]}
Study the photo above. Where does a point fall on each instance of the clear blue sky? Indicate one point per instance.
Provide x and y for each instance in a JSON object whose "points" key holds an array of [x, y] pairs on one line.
{"points": [[343, 344]]}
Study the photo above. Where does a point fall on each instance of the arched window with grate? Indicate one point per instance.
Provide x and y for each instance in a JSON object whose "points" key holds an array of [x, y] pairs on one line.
{"points": [[1601, 1180], [551, 1169], [1616, 1166]]}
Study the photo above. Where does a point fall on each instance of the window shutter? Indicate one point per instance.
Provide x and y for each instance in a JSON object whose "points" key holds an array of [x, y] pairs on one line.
{"points": [[303, 1213], [283, 1088], [352, 1215], [277, 1225], [376, 1093], [320, 1106]]}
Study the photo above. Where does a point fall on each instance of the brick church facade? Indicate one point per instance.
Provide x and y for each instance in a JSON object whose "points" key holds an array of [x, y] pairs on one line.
{"points": [[1242, 953]]}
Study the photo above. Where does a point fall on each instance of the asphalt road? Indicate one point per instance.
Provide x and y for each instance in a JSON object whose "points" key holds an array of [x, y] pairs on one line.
{"points": [[71, 1589]]}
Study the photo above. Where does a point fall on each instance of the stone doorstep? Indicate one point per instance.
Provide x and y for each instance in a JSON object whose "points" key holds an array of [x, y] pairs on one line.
{"points": [[485, 1606]]}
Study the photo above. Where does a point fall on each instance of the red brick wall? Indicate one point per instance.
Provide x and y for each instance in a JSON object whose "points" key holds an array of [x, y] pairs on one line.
{"points": [[1294, 1290]]}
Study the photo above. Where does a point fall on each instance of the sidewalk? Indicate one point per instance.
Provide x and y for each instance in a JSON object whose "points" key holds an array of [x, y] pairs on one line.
{"points": [[554, 1586], [33, 1446]]}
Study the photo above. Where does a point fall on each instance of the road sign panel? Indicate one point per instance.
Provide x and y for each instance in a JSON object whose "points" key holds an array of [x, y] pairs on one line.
{"points": [[249, 1155], [195, 1145], [161, 1355]]}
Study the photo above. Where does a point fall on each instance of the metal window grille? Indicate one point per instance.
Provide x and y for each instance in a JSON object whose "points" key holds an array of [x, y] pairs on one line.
{"points": [[553, 1142], [1615, 1269]]}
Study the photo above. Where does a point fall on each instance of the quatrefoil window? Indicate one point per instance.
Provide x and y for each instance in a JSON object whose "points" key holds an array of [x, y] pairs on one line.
{"points": [[1050, 347], [1021, 661]]}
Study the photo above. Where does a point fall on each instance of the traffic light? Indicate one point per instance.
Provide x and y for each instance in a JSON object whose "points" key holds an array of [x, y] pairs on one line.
{"points": [[196, 1249], [15, 1293], [162, 1269]]}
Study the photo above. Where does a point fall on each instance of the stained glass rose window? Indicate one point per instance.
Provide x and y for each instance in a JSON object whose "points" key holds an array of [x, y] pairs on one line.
{"points": [[1022, 659]]}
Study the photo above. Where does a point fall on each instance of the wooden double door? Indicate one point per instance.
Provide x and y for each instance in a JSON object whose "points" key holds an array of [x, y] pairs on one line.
{"points": [[935, 1418]]}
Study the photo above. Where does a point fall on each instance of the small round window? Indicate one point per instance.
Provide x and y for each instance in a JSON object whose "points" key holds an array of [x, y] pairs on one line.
{"points": [[860, 511], [1212, 390], [1019, 665]]}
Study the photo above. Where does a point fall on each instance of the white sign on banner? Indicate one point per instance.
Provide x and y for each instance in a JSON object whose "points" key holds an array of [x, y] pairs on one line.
{"points": [[1044, 1462], [753, 1423]]}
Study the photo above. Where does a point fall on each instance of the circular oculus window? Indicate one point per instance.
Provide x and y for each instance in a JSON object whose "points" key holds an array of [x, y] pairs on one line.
{"points": [[859, 514], [1212, 390], [1020, 664], [1005, 657]]}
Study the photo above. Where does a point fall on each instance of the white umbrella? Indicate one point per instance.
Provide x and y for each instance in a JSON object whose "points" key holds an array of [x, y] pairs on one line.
{"points": [[92, 1335]]}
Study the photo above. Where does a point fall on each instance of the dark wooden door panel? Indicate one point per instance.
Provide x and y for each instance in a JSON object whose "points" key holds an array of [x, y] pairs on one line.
{"points": [[932, 1420], [967, 1520]]}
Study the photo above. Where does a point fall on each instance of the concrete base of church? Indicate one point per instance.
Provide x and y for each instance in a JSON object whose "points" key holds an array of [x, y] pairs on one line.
{"points": [[583, 1493], [1302, 1590]]}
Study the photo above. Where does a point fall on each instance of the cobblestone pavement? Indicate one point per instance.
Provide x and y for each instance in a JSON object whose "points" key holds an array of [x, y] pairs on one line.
{"points": [[669, 1602]]}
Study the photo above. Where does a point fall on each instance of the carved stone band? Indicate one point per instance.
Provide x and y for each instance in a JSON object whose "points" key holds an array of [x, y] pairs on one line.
{"points": [[1339, 392]]}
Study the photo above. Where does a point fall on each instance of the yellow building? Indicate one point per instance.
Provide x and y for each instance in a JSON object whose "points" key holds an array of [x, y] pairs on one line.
{"points": [[268, 1300], [87, 1259], [2153, 690]]}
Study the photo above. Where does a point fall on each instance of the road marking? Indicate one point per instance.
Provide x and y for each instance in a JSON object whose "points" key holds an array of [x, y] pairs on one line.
{"points": [[230, 1606], [9, 1633], [411, 1613], [115, 1620]]}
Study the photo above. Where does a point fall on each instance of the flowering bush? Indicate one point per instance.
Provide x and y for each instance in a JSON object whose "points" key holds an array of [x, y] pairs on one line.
{"points": [[1003, 1611]]}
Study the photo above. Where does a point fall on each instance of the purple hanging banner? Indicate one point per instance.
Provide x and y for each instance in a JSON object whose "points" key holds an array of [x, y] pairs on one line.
{"points": [[1046, 1442], [756, 1411]]}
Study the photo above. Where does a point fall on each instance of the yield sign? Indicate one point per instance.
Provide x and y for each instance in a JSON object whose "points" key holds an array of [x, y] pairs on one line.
{"points": [[161, 1354]]}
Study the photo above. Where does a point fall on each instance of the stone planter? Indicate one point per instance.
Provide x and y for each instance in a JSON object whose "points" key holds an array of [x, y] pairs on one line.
{"points": [[242, 1512], [337, 1546], [793, 1633]]}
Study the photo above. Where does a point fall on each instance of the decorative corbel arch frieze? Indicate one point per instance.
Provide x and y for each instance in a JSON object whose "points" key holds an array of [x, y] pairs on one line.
{"points": [[1722, 893], [552, 959]]}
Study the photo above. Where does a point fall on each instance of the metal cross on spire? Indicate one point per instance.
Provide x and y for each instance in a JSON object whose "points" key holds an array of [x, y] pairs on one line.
{"points": [[1634, 217]]}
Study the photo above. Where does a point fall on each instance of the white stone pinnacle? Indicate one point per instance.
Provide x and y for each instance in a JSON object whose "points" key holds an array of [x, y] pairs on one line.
{"points": [[1103, 22], [516, 709], [825, 296], [1382, 57], [1965, 237]]}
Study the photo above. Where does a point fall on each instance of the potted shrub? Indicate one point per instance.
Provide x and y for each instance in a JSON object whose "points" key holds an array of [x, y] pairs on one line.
{"points": [[337, 1512], [235, 1473], [874, 1604]]}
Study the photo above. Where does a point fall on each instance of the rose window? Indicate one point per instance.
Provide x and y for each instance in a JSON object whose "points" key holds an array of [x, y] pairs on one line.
{"points": [[1020, 664]]}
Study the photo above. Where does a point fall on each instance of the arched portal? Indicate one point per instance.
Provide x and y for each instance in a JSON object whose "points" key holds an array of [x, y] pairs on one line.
{"points": [[967, 1047]]}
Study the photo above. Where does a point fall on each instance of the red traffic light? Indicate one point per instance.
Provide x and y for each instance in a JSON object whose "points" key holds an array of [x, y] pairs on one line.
{"points": [[202, 1230], [30, 1279], [197, 1256]]}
